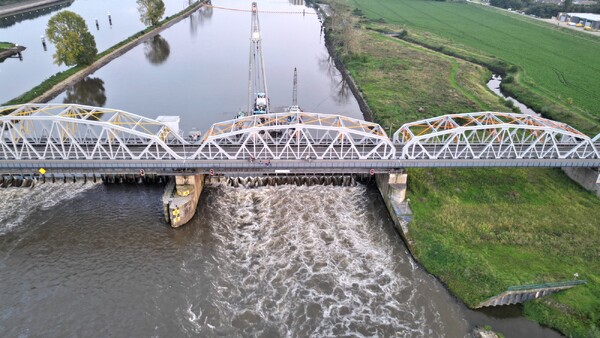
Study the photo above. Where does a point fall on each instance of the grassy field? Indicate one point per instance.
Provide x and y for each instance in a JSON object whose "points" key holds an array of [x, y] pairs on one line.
{"points": [[560, 66], [483, 230], [399, 77]]}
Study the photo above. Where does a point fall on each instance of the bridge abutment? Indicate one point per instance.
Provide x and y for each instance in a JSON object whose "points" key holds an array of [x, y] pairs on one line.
{"points": [[588, 178], [181, 198], [393, 190]]}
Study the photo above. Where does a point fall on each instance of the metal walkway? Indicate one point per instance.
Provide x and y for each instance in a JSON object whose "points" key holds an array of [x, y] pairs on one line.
{"points": [[70, 138]]}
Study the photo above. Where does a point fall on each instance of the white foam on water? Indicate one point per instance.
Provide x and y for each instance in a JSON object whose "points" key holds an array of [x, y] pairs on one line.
{"points": [[308, 261], [19, 203]]}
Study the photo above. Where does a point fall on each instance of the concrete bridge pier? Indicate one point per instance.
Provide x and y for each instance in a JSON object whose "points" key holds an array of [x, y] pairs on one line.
{"points": [[181, 198]]}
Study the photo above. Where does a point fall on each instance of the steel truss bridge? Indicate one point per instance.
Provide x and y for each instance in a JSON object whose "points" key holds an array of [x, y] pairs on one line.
{"points": [[76, 139]]}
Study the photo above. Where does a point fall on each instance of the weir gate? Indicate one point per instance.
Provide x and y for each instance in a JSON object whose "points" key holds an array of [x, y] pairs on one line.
{"points": [[38, 140]]}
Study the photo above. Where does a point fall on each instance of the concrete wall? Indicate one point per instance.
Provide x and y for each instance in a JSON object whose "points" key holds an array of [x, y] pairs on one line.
{"points": [[393, 190], [586, 177]]}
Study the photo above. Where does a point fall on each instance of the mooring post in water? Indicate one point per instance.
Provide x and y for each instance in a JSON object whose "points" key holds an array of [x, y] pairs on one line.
{"points": [[109, 20], [97, 24], [181, 199], [44, 43], [19, 52]]}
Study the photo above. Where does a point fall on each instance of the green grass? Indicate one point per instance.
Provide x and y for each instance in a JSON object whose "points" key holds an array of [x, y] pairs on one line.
{"points": [[6, 45], [483, 230], [559, 65], [396, 78]]}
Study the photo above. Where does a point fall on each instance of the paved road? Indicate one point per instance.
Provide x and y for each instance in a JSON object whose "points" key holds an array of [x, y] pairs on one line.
{"points": [[564, 24]]}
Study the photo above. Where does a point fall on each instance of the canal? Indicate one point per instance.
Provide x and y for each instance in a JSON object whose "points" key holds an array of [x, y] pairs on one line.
{"points": [[98, 260]]}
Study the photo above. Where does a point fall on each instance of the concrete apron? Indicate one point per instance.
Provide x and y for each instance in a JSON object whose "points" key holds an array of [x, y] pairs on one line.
{"points": [[181, 198]]}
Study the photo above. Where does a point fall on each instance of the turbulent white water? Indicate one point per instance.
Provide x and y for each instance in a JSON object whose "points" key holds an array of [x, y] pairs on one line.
{"points": [[286, 261], [19, 203], [308, 261]]}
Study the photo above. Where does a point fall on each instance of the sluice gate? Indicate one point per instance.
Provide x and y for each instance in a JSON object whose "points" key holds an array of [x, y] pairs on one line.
{"points": [[29, 181], [298, 180]]}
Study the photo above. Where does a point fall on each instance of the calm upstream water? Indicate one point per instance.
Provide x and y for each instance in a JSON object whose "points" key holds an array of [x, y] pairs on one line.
{"points": [[198, 69], [17, 77], [98, 260]]}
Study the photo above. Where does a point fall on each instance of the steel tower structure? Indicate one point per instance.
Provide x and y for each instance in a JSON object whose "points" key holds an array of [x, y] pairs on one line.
{"points": [[257, 78]]}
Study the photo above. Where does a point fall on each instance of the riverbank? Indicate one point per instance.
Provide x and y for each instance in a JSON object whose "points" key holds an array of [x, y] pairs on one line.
{"points": [[8, 49], [57, 83], [25, 6], [481, 231]]}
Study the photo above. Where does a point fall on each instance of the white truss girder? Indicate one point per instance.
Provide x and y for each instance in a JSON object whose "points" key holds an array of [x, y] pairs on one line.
{"points": [[489, 135], [75, 132], [294, 136], [67, 132]]}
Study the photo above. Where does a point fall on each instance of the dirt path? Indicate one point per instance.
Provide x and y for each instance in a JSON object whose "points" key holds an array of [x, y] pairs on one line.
{"points": [[73, 79]]}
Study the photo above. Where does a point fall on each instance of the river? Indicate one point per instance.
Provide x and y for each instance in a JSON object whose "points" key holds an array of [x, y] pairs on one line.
{"points": [[494, 85], [18, 76], [98, 260]]}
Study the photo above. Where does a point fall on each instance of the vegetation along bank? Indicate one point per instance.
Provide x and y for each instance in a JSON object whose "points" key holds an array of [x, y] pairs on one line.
{"points": [[481, 231]]}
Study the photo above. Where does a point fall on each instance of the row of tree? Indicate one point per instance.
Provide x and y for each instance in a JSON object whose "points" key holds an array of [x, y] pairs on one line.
{"points": [[75, 45], [545, 10]]}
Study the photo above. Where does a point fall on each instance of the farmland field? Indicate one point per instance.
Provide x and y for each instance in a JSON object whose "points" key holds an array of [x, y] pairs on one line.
{"points": [[562, 66]]}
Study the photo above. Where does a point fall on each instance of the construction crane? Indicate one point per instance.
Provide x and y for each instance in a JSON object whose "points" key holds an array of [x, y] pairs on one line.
{"points": [[258, 99], [294, 107]]}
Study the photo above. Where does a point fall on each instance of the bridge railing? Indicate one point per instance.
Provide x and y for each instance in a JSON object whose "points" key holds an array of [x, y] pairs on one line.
{"points": [[547, 285]]}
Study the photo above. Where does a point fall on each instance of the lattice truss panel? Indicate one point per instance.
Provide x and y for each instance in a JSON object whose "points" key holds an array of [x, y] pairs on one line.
{"points": [[71, 132], [295, 135], [488, 135]]}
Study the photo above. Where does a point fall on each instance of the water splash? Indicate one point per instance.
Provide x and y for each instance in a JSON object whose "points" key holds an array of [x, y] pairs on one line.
{"points": [[19, 203], [308, 261]]}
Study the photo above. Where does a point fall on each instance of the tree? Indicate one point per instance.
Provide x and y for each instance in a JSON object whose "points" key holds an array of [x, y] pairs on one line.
{"points": [[75, 45], [151, 11]]}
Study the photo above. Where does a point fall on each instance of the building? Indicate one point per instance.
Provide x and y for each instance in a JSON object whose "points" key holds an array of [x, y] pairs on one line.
{"points": [[586, 19]]}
